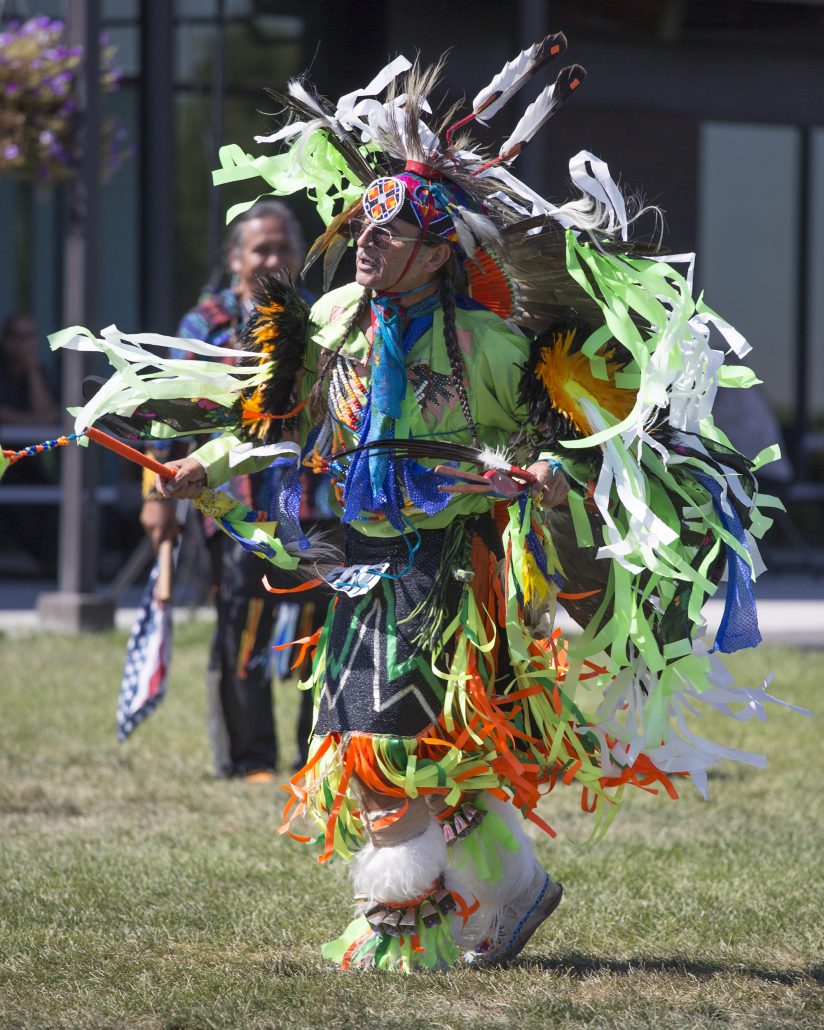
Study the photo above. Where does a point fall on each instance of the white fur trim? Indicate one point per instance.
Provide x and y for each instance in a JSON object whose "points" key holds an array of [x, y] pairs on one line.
{"points": [[401, 872], [518, 866]]}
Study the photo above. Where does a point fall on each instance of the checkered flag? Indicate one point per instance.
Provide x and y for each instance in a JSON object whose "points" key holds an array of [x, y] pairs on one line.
{"points": [[148, 656]]}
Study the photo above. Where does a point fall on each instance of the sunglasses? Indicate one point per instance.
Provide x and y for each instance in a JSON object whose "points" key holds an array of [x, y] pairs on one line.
{"points": [[381, 237]]}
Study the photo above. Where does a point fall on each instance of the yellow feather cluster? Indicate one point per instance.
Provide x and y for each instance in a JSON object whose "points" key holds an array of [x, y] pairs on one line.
{"points": [[568, 379], [252, 419], [533, 581], [264, 336], [266, 330]]}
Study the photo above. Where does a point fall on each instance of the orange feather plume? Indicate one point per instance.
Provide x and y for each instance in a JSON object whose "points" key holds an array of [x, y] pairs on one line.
{"points": [[569, 380]]}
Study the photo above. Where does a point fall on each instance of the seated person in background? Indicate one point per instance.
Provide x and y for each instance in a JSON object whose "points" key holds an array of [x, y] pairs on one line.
{"points": [[25, 399], [748, 419]]}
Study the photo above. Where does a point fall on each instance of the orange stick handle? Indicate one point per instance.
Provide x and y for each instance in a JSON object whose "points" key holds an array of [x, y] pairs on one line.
{"points": [[125, 451]]}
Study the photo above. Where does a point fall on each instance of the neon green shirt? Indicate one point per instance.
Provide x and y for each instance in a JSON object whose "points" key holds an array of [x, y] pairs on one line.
{"points": [[493, 353]]}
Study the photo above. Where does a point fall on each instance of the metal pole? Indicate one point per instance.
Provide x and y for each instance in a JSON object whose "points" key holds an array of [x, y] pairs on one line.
{"points": [[75, 606], [157, 167], [218, 90]]}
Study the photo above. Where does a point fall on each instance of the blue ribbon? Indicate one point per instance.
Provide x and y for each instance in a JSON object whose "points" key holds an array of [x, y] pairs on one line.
{"points": [[372, 480], [739, 623]]}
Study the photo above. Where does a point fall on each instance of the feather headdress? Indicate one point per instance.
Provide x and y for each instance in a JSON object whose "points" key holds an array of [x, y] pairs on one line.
{"points": [[507, 238]]}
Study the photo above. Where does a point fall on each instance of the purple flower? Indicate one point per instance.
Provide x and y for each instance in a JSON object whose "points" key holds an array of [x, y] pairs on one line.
{"points": [[11, 89], [11, 152]]}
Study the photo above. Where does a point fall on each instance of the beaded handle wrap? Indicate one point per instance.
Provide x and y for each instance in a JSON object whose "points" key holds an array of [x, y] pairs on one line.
{"points": [[39, 448]]}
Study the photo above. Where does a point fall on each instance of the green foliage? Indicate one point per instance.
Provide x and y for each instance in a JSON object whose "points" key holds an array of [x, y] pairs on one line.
{"points": [[136, 891]]}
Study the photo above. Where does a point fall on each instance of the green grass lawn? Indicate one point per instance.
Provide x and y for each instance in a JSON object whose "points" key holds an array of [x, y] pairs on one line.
{"points": [[136, 891]]}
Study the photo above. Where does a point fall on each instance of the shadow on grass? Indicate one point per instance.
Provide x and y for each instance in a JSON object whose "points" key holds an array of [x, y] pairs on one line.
{"points": [[579, 966]]}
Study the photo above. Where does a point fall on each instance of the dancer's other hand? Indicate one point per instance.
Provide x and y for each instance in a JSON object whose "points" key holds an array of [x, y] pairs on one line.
{"points": [[552, 484]]}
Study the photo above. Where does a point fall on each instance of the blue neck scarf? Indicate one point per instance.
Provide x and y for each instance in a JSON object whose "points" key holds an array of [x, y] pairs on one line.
{"points": [[371, 483]]}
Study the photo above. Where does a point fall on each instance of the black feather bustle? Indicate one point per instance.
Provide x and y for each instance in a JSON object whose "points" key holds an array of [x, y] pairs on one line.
{"points": [[277, 333], [549, 423]]}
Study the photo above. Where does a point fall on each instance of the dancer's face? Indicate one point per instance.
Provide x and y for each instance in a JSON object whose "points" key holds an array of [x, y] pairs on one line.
{"points": [[266, 246], [383, 265]]}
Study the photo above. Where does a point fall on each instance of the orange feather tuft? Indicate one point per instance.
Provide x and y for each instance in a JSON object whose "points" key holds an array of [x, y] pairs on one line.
{"points": [[489, 284], [569, 379]]}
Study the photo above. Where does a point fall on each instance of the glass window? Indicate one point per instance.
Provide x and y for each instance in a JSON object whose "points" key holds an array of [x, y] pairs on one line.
{"points": [[748, 245], [196, 8], [816, 274], [126, 41], [120, 9], [258, 52]]}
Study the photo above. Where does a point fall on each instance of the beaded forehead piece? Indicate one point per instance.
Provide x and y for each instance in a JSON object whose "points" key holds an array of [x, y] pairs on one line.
{"points": [[427, 202], [384, 199]]}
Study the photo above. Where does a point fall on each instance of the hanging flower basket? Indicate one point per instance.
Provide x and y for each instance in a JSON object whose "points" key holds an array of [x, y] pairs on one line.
{"points": [[38, 109]]}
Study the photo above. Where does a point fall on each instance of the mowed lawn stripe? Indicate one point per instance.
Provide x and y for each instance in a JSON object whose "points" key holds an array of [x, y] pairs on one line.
{"points": [[137, 891]]}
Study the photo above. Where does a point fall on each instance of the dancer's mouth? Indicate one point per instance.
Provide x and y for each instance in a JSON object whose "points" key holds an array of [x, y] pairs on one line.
{"points": [[367, 263]]}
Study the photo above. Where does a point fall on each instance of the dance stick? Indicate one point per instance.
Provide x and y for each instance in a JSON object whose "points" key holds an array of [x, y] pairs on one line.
{"points": [[210, 502], [125, 451]]}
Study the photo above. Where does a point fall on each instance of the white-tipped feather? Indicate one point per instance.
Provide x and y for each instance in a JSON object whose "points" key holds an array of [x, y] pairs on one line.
{"points": [[321, 554], [541, 110], [297, 90], [515, 74], [482, 228], [304, 128], [465, 237]]}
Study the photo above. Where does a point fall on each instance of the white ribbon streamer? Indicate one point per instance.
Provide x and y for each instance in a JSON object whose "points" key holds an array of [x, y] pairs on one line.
{"points": [[591, 175]]}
